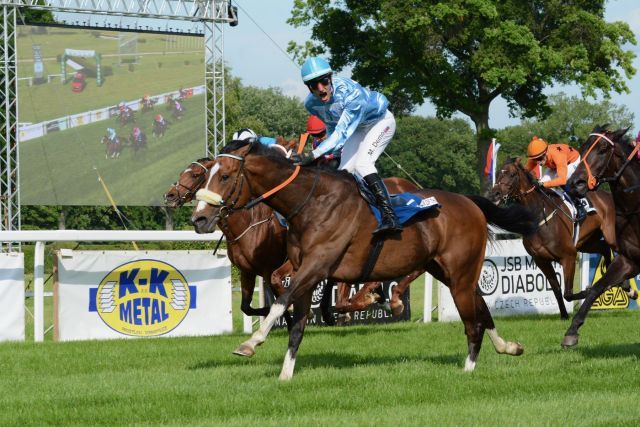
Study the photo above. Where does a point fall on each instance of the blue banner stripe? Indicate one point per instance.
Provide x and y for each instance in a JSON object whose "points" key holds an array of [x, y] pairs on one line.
{"points": [[92, 299], [194, 296]]}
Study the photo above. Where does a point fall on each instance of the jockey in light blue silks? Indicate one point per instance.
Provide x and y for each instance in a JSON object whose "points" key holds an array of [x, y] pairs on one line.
{"points": [[357, 120], [111, 134]]}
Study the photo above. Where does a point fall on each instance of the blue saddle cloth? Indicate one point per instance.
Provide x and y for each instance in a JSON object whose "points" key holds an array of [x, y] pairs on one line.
{"points": [[405, 205]]}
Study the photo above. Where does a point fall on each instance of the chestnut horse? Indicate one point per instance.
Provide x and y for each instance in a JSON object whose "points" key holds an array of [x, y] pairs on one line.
{"points": [[554, 239], [330, 236], [607, 157], [113, 148], [250, 261]]}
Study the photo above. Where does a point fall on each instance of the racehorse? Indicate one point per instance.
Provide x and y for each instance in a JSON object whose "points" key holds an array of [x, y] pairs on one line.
{"points": [[554, 240], [138, 144], [147, 104], [176, 113], [250, 261], [126, 116], [159, 129], [255, 238], [608, 157], [329, 236], [113, 148]]}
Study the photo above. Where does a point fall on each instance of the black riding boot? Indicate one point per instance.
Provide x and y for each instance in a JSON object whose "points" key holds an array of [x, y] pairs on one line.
{"points": [[390, 222], [581, 210]]}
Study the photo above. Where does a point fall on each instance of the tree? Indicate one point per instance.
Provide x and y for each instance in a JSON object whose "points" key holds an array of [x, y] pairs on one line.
{"points": [[436, 153], [569, 117], [463, 54]]}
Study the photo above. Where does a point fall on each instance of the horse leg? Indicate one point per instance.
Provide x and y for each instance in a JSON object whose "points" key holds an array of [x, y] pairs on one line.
{"points": [[247, 287], [301, 310], [360, 301], [396, 304], [302, 282], [547, 269], [620, 269], [476, 318], [343, 303], [325, 303]]}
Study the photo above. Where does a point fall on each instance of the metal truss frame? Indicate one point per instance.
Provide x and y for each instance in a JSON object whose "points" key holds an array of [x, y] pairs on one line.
{"points": [[211, 15]]}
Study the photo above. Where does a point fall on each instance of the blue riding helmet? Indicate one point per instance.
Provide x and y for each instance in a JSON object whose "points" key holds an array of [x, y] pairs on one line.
{"points": [[314, 67]]}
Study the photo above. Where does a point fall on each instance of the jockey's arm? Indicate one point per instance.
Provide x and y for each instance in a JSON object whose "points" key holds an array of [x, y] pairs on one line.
{"points": [[561, 161], [532, 166], [349, 120]]}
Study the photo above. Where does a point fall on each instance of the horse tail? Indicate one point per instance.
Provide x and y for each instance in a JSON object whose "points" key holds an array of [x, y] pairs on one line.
{"points": [[515, 218]]}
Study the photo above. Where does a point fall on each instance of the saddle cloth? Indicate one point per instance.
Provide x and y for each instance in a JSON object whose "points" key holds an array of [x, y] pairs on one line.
{"points": [[405, 205]]}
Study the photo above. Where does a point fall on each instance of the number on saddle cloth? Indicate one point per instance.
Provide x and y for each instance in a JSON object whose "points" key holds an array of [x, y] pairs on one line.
{"points": [[405, 205]]}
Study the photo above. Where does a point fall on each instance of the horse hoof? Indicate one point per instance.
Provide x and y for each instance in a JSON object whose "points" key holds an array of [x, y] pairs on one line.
{"points": [[569, 341], [244, 350], [397, 310], [518, 349]]}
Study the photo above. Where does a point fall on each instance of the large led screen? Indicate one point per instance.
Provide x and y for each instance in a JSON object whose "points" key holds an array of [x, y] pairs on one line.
{"points": [[107, 114]]}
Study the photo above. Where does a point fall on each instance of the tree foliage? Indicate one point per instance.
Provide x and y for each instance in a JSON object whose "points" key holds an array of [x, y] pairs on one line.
{"points": [[462, 54], [570, 116], [436, 153]]}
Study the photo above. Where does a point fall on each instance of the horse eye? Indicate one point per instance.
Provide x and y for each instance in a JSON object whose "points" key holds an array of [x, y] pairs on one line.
{"points": [[224, 177]]}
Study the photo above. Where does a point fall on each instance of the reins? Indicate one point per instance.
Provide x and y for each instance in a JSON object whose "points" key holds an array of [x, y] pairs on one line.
{"points": [[303, 141]]}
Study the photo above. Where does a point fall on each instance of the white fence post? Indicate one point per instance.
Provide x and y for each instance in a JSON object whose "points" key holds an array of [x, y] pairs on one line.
{"points": [[38, 292], [428, 297]]}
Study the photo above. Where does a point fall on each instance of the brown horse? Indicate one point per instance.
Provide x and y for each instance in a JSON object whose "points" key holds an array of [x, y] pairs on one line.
{"points": [[330, 236], [554, 240], [255, 238], [250, 263], [608, 157], [113, 148]]}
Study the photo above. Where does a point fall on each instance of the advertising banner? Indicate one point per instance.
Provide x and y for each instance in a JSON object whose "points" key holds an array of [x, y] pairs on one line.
{"points": [[375, 313], [510, 283], [11, 297], [126, 294], [615, 298]]}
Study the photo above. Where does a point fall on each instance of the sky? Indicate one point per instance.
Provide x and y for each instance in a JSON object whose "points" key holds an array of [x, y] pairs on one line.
{"points": [[255, 50]]}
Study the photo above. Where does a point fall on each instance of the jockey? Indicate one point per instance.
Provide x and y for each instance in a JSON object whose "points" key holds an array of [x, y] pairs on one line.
{"points": [[561, 161], [137, 134], [122, 107], [246, 134], [318, 133], [160, 120], [177, 105], [356, 119], [111, 134]]}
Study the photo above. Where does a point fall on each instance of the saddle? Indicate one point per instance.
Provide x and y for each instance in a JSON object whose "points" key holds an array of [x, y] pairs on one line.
{"points": [[405, 205]]}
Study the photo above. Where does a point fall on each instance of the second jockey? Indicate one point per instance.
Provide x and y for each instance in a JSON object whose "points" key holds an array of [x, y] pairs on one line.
{"points": [[560, 161], [111, 134], [160, 120], [318, 133]]}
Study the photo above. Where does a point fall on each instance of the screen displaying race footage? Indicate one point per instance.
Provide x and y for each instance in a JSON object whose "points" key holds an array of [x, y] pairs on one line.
{"points": [[107, 114]]}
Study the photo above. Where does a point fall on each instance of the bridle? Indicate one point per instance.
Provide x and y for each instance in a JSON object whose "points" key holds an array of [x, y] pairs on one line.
{"points": [[226, 209], [190, 191]]}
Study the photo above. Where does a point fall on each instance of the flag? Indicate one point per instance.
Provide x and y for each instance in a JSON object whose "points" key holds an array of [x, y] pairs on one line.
{"points": [[492, 157]]}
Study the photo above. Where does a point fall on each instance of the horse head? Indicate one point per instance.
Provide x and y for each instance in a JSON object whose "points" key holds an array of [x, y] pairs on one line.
{"points": [[189, 182], [225, 190], [510, 182], [601, 156]]}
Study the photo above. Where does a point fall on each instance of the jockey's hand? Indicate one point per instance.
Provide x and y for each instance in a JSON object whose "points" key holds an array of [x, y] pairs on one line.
{"points": [[539, 184], [303, 159]]}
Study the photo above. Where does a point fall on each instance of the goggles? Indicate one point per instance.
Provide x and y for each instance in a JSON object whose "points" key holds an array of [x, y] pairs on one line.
{"points": [[313, 84]]}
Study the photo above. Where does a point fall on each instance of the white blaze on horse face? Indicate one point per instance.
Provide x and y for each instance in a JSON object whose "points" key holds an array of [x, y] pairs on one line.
{"points": [[213, 171], [201, 205]]}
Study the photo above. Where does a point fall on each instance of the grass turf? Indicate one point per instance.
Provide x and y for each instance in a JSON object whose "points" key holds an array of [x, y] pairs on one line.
{"points": [[58, 169], [399, 374]]}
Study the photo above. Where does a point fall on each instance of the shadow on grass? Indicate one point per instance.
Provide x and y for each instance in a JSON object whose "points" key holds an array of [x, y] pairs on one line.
{"points": [[607, 351], [336, 360]]}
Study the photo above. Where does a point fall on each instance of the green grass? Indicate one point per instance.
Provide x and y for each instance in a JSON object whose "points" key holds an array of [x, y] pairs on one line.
{"points": [[401, 374], [58, 169], [165, 67]]}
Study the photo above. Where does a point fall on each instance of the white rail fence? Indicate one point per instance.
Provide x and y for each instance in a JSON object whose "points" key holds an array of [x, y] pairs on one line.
{"points": [[41, 237]]}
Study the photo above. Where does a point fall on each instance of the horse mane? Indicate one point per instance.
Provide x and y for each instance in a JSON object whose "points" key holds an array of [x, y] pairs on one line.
{"points": [[264, 150]]}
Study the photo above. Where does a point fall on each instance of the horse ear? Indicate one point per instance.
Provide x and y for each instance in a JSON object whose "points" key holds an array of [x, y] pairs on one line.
{"points": [[620, 132], [518, 160]]}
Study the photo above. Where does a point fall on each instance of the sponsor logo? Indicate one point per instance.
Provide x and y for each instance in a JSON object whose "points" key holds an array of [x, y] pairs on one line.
{"points": [[143, 298], [488, 281], [52, 126]]}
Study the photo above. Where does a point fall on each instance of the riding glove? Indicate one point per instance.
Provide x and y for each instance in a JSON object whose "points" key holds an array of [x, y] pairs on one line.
{"points": [[303, 159]]}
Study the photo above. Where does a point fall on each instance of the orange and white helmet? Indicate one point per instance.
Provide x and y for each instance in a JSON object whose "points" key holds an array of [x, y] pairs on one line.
{"points": [[537, 148]]}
